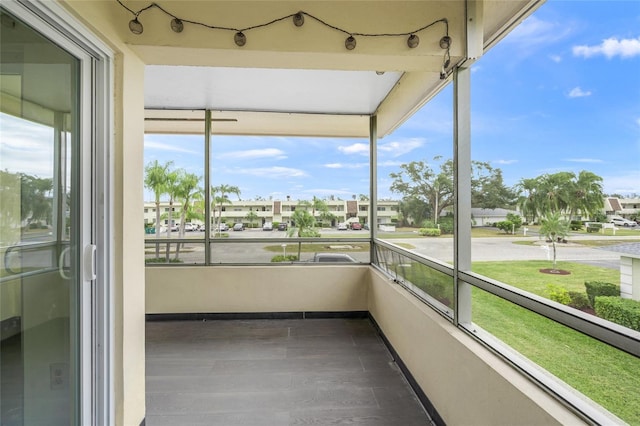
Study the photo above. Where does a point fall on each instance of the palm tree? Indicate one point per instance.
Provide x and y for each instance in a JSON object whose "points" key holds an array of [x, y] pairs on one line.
{"points": [[251, 217], [553, 228], [528, 202], [586, 194], [171, 188], [304, 222], [187, 189], [223, 190], [155, 180]]}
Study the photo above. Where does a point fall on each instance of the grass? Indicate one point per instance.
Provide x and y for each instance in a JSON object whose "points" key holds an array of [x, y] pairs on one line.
{"points": [[524, 274], [314, 247], [605, 374]]}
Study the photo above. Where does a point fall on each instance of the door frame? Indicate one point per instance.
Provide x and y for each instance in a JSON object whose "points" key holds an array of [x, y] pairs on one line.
{"points": [[94, 257]]}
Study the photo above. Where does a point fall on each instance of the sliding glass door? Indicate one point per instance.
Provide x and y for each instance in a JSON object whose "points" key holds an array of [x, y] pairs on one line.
{"points": [[45, 227]]}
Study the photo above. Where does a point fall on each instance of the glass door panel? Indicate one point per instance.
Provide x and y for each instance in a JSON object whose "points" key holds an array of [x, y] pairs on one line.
{"points": [[39, 236]]}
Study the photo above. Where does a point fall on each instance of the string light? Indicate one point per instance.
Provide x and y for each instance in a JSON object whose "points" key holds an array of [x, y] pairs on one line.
{"points": [[298, 18]]}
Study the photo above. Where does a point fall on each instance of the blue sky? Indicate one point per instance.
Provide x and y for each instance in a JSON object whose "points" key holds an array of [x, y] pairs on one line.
{"points": [[560, 93]]}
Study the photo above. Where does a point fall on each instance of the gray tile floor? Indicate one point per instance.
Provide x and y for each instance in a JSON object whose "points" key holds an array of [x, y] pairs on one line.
{"points": [[275, 372]]}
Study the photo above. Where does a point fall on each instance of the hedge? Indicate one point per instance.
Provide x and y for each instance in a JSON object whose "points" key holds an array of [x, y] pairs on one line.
{"points": [[625, 312], [600, 288], [429, 232]]}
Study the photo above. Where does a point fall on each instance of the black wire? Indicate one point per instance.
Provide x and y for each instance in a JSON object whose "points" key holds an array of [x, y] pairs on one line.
{"points": [[266, 24]]}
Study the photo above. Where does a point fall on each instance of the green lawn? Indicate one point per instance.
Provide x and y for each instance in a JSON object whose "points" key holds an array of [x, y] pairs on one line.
{"points": [[315, 247], [607, 375]]}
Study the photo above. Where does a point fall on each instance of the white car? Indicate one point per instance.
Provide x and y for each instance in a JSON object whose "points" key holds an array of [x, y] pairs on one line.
{"points": [[188, 227], [342, 227], [268, 226], [621, 221]]}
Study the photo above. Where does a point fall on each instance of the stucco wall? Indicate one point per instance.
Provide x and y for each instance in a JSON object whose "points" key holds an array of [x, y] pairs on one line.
{"points": [[256, 289], [466, 383]]}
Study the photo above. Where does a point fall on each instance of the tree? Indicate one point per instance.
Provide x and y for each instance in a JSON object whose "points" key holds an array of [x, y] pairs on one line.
{"points": [[423, 183], [304, 226], [187, 190], [36, 198], [223, 190], [414, 208], [251, 217], [490, 191], [586, 194], [553, 227], [562, 192], [156, 180], [420, 181]]}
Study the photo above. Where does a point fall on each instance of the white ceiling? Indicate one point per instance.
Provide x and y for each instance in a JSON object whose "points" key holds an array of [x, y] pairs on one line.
{"points": [[267, 90]]}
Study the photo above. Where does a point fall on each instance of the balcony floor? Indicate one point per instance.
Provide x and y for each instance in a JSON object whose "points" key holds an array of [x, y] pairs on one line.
{"points": [[274, 372]]}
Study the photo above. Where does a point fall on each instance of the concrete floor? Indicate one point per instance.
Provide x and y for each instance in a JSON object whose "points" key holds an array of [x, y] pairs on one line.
{"points": [[275, 372]]}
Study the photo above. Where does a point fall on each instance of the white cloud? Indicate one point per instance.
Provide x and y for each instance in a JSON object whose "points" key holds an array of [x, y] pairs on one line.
{"points": [[505, 162], [577, 92], [346, 165], [534, 31], [401, 147], [250, 154], [356, 148], [161, 146], [584, 160], [390, 163], [611, 47], [624, 183], [272, 172], [556, 58]]}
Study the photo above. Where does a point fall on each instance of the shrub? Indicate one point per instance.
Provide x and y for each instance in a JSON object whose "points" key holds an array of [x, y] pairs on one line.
{"points": [[505, 226], [625, 312], [600, 288], [429, 232], [575, 225], [516, 221], [282, 258], [579, 300], [446, 225], [428, 224], [558, 294]]}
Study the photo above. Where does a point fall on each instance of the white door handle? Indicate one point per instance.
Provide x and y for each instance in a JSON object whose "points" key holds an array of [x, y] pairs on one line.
{"points": [[63, 253], [90, 262]]}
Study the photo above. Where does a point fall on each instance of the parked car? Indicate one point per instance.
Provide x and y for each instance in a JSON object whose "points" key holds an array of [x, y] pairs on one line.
{"points": [[188, 227], [282, 226], [332, 258], [356, 226], [268, 226], [342, 227], [238, 227], [621, 221], [223, 227]]}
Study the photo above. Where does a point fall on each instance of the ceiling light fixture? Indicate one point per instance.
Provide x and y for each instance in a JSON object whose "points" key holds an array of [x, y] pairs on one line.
{"points": [[176, 25], [240, 38], [298, 19], [135, 26], [445, 42], [413, 41], [350, 43]]}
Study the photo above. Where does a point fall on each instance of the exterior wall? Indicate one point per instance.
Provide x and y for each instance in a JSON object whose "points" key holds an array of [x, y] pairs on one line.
{"points": [[630, 277], [468, 384], [237, 211], [256, 289], [127, 236]]}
